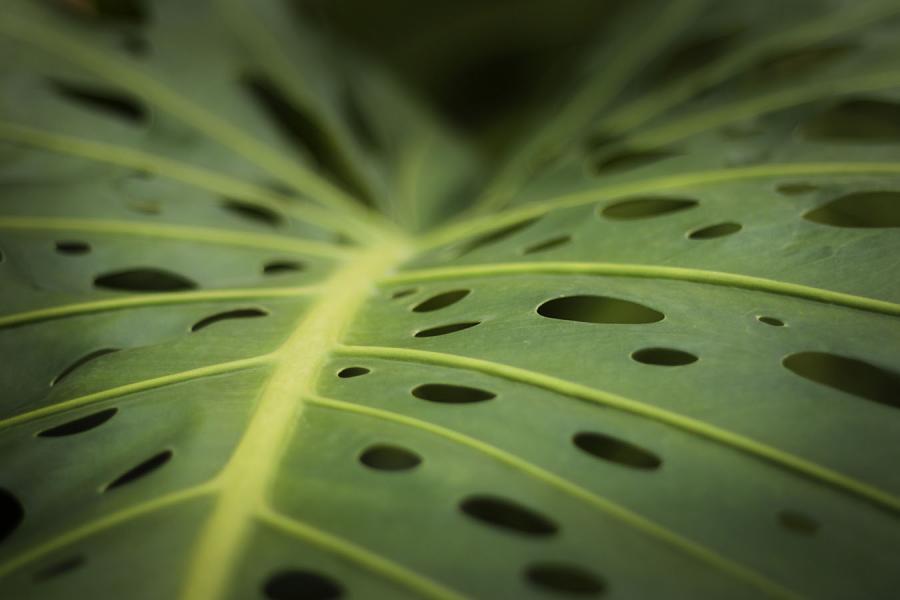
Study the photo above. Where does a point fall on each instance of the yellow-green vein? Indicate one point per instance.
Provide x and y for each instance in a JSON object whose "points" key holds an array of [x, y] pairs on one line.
{"points": [[185, 233], [746, 282], [70, 537], [198, 177], [361, 556], [634, 113], [138, 386], [478, 225], [710, 118], [587, 102], [271, 56], [245, 479], [786, 460], [126, 75], [158, 299], [609, 507]]}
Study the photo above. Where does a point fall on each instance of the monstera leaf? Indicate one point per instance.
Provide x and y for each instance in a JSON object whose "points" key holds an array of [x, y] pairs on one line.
{"points": [[272, 327]]}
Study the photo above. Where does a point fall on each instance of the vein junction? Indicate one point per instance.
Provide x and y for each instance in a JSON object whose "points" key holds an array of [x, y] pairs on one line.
{"points": [[242, 486]]}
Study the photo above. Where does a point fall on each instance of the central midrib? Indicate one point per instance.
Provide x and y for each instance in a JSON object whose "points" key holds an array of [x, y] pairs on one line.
{"points": [[243, 483]]}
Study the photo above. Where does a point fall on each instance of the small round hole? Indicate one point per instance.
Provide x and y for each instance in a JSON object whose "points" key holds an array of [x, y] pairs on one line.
{"points": [[797, 522], [294, 584], [445, 329], [384, 457], [12, 513], [546, 245], [403, 293], [59, 568], [771, 321], [796, 189], [279, 267], [72, 247], [565, 579], [444, 393], [81, 424], [715, 231], [440, 301], [146, 207], [143, 469], [509, 515], [664, 357], [349, 372]]}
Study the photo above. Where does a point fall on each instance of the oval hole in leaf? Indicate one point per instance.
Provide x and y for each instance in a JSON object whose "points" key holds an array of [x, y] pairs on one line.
{"points": [[303, 130], [664, 357], [630, 159], [715, 231], [848, 375], [108, 102], [144, 280], [858, 121], [358, 121], [81, 362], [240, 313], [384, 457], [295, 584], [863, 209], [445, 393], [696, 52], [280, 267], [81, 424], [254, 213], [136, 46], [72, 247], [445, 329], [771, 321], [565, 579], [796, 189], [615, 450], [119, 12], [644, 208], [492, 237], [146, 207], [145, 468], [507, 514], [800, 62], [442, 300], [403, 293], [797, 522], [59, 568], [598, 309], [548, 244], [11, 513], [349, 372]]}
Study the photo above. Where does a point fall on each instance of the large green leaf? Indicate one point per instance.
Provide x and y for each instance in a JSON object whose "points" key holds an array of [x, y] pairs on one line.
{"points": [[271, 327]]}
